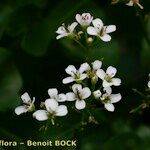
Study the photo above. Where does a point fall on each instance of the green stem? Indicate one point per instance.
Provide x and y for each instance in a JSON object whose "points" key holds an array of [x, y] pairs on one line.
{"points": [[93, 85], [138, 92], [80, 44]]}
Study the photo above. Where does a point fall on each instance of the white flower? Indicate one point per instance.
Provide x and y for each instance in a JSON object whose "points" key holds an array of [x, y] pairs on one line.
{"points": [[107, 77], [108, 99], [91, 71], [134, 2], [79, 94], [100, 30], [148, 84], [28, 105], [85, 19], [97, 94], [63, 31], [53, 93], [52, 110], [76, 75]]}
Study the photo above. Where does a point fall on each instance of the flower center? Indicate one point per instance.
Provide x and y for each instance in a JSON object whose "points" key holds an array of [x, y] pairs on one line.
{"points": [[85, 17], [105, 98], [76, 75], [78, 95], [108, 78], [51, 114], [30, 107], [102, 31]]}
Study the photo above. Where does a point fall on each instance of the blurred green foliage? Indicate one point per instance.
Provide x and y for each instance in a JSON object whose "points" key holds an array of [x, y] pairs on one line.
{"points": [[32, 60]]}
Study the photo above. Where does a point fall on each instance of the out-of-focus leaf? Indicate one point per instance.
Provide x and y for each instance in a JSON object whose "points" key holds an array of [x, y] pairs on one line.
{"points": [[10, 85], [36, 41], [4, 55], [145, 55], [123, 142], [5, 12]]}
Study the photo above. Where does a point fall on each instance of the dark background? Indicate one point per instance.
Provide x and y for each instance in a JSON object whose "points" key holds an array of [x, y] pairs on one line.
{"points": [[32, 60]]}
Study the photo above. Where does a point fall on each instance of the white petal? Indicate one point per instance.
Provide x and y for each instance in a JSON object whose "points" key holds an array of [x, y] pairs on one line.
{"points": [[53, 92], [130, 3], [83, 76], [141, 7], [97, 23], [61, 110], [72, 26], [70, 96], [76, 88], [26, 98], [84, 67], [111, 71], [107, 84], [109, 107], [115, 98], [97, 64], [101, 74], [108, 90], [80, 104], [20, 110], [85, 92], [68, 80], [61, 30], [40, 115], [78, 18], [92, 31], [148, 84], [110, 28], [61, 36], [71, 70], [61, 98], [51, 105], [116, 81], [105, 38], [97, 93]]}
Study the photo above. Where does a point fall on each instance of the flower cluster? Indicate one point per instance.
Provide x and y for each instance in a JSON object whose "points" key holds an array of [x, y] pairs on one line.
{"points": [[91, 84], [82, 92], [94, 72], [88, 26]]}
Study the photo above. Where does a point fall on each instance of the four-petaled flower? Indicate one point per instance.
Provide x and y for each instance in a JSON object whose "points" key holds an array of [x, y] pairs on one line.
{"points": [[28, 104], [85, 19], [79, 95], [107, 98], [134, 2], [76, 75], [63, 31], [107, 77], [53, 93], [100, 30], [52, 110]]}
